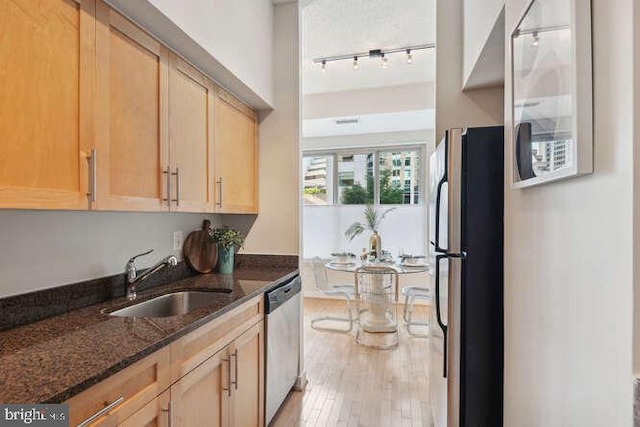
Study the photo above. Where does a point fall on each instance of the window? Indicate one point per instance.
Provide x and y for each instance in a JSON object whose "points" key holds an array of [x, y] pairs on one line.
{"points": [[317, 180], [356, 178], [393, 190]]}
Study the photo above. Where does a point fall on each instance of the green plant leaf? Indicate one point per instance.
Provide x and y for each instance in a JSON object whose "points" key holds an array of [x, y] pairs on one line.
{"points": [[373, 217], [354, 229], [227, 237]]}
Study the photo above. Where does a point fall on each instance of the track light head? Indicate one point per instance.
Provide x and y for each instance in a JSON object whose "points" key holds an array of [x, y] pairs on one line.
{"points": [[536, 39]]}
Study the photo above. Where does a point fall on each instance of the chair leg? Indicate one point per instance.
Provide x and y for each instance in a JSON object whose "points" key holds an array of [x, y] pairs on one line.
{"points": [[406, 305], [349, 320], [409, 311], [410, 322]]}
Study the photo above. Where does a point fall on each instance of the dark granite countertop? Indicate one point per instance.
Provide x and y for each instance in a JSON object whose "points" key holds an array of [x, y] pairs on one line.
{"points": [[54, 359]]}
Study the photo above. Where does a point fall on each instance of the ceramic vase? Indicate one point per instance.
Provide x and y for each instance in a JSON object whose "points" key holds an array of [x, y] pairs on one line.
{"points": [[225, 259]]}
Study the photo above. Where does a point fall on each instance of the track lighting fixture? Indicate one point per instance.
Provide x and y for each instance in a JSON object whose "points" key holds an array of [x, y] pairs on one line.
{"points": [[373, 53]]}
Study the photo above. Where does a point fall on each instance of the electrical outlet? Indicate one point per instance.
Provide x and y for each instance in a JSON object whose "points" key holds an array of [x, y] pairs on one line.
{"points": [[177, 240]]}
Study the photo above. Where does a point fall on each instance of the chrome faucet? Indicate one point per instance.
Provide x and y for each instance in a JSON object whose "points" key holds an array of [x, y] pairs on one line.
{"points": [[131, 274]]}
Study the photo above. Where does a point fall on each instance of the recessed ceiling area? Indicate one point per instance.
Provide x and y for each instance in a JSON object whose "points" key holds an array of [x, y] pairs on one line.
{"points": [[340, 27]]}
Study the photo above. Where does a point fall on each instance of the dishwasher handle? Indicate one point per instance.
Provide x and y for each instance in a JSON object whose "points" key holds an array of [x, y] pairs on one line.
{"points": [[282, 293]]}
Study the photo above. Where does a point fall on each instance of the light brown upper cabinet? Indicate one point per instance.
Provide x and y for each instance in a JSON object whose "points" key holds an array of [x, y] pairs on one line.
{"points": [[46, 74], [132, 138], [191, 98], [97, 114], [236, 156]]}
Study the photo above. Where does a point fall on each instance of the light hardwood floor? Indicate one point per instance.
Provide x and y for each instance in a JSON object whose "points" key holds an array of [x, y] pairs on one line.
{"points": [[351, 385]]}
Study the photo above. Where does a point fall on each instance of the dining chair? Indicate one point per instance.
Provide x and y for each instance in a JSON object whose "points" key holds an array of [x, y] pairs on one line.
{"points": [[376, 293], [411, 294], [346, 291]]}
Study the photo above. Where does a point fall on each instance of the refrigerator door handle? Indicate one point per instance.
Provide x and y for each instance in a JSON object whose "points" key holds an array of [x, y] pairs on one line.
{"points": [[436, 244], [438, 314]]}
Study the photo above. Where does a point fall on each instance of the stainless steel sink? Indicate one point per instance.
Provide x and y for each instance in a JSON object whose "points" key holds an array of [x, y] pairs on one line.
{"points": [[170, 304]]}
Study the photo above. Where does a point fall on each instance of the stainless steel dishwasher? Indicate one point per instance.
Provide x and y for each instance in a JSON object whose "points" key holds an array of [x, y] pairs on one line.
{"points": [[282, 305]]}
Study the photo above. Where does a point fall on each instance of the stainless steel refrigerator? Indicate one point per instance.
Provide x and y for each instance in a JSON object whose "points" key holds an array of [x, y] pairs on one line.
{"points": [[466, 249]]}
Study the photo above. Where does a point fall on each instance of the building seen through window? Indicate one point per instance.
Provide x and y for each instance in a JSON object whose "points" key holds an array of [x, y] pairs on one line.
{"points": [[396, 179]]}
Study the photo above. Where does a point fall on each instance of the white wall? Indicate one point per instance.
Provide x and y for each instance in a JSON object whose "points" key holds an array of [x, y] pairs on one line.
{"points": [[568, 260], [229, 43], [45, 249], [369, 140], [276, 228], [385, 115], [237, 33], [454, 108], [480, 17], [419, 96], [324, 226], [370, 124]]}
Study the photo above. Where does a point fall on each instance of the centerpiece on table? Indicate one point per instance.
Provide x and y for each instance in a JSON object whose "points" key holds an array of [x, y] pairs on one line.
{"points": [[372, 219], [228, 241]]}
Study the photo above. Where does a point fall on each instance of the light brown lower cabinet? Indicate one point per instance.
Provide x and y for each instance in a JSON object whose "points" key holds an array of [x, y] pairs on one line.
{"points": [[115, 399], [156, 413], [213, 376], [200, 397], [247, 392], [226, 389]]}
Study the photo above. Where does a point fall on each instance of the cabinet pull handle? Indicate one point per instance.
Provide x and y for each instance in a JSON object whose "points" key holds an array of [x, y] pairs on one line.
{"points": [[168, 179], [177, 175], [168, 411], [101, 412], [92, 175], [235, 355], [219, 182], [228, 389]]}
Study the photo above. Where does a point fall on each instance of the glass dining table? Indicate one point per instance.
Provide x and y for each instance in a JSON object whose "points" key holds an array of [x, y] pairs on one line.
{"points": [[376, 319], [400, 267]]}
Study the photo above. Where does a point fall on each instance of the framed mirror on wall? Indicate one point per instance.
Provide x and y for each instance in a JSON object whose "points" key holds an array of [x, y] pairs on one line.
{"points": [[551, 105]]}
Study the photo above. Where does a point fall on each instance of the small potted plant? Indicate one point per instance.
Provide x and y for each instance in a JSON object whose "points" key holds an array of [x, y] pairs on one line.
{"points": [[228, 241]]}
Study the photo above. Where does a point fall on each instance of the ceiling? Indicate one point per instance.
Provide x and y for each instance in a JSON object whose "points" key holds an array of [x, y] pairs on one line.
{"points": [[338, 27]]}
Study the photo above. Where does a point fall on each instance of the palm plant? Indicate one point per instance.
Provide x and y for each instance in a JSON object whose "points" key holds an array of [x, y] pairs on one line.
{"points": [[372, 219]]}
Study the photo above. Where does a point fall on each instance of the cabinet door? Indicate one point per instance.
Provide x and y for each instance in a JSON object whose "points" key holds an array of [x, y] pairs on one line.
{"points": [[201, 397], [247, 358], [155, 414], [131, 117], [47, 60], [236, 156], [124, 393], [191, 137]]}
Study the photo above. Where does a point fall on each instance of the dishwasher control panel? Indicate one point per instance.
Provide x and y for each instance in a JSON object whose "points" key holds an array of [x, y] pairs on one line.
{"points": [[282, 293]]}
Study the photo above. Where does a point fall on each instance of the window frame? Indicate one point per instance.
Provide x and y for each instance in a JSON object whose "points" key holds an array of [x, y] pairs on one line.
{"points": [[375, 150]]}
